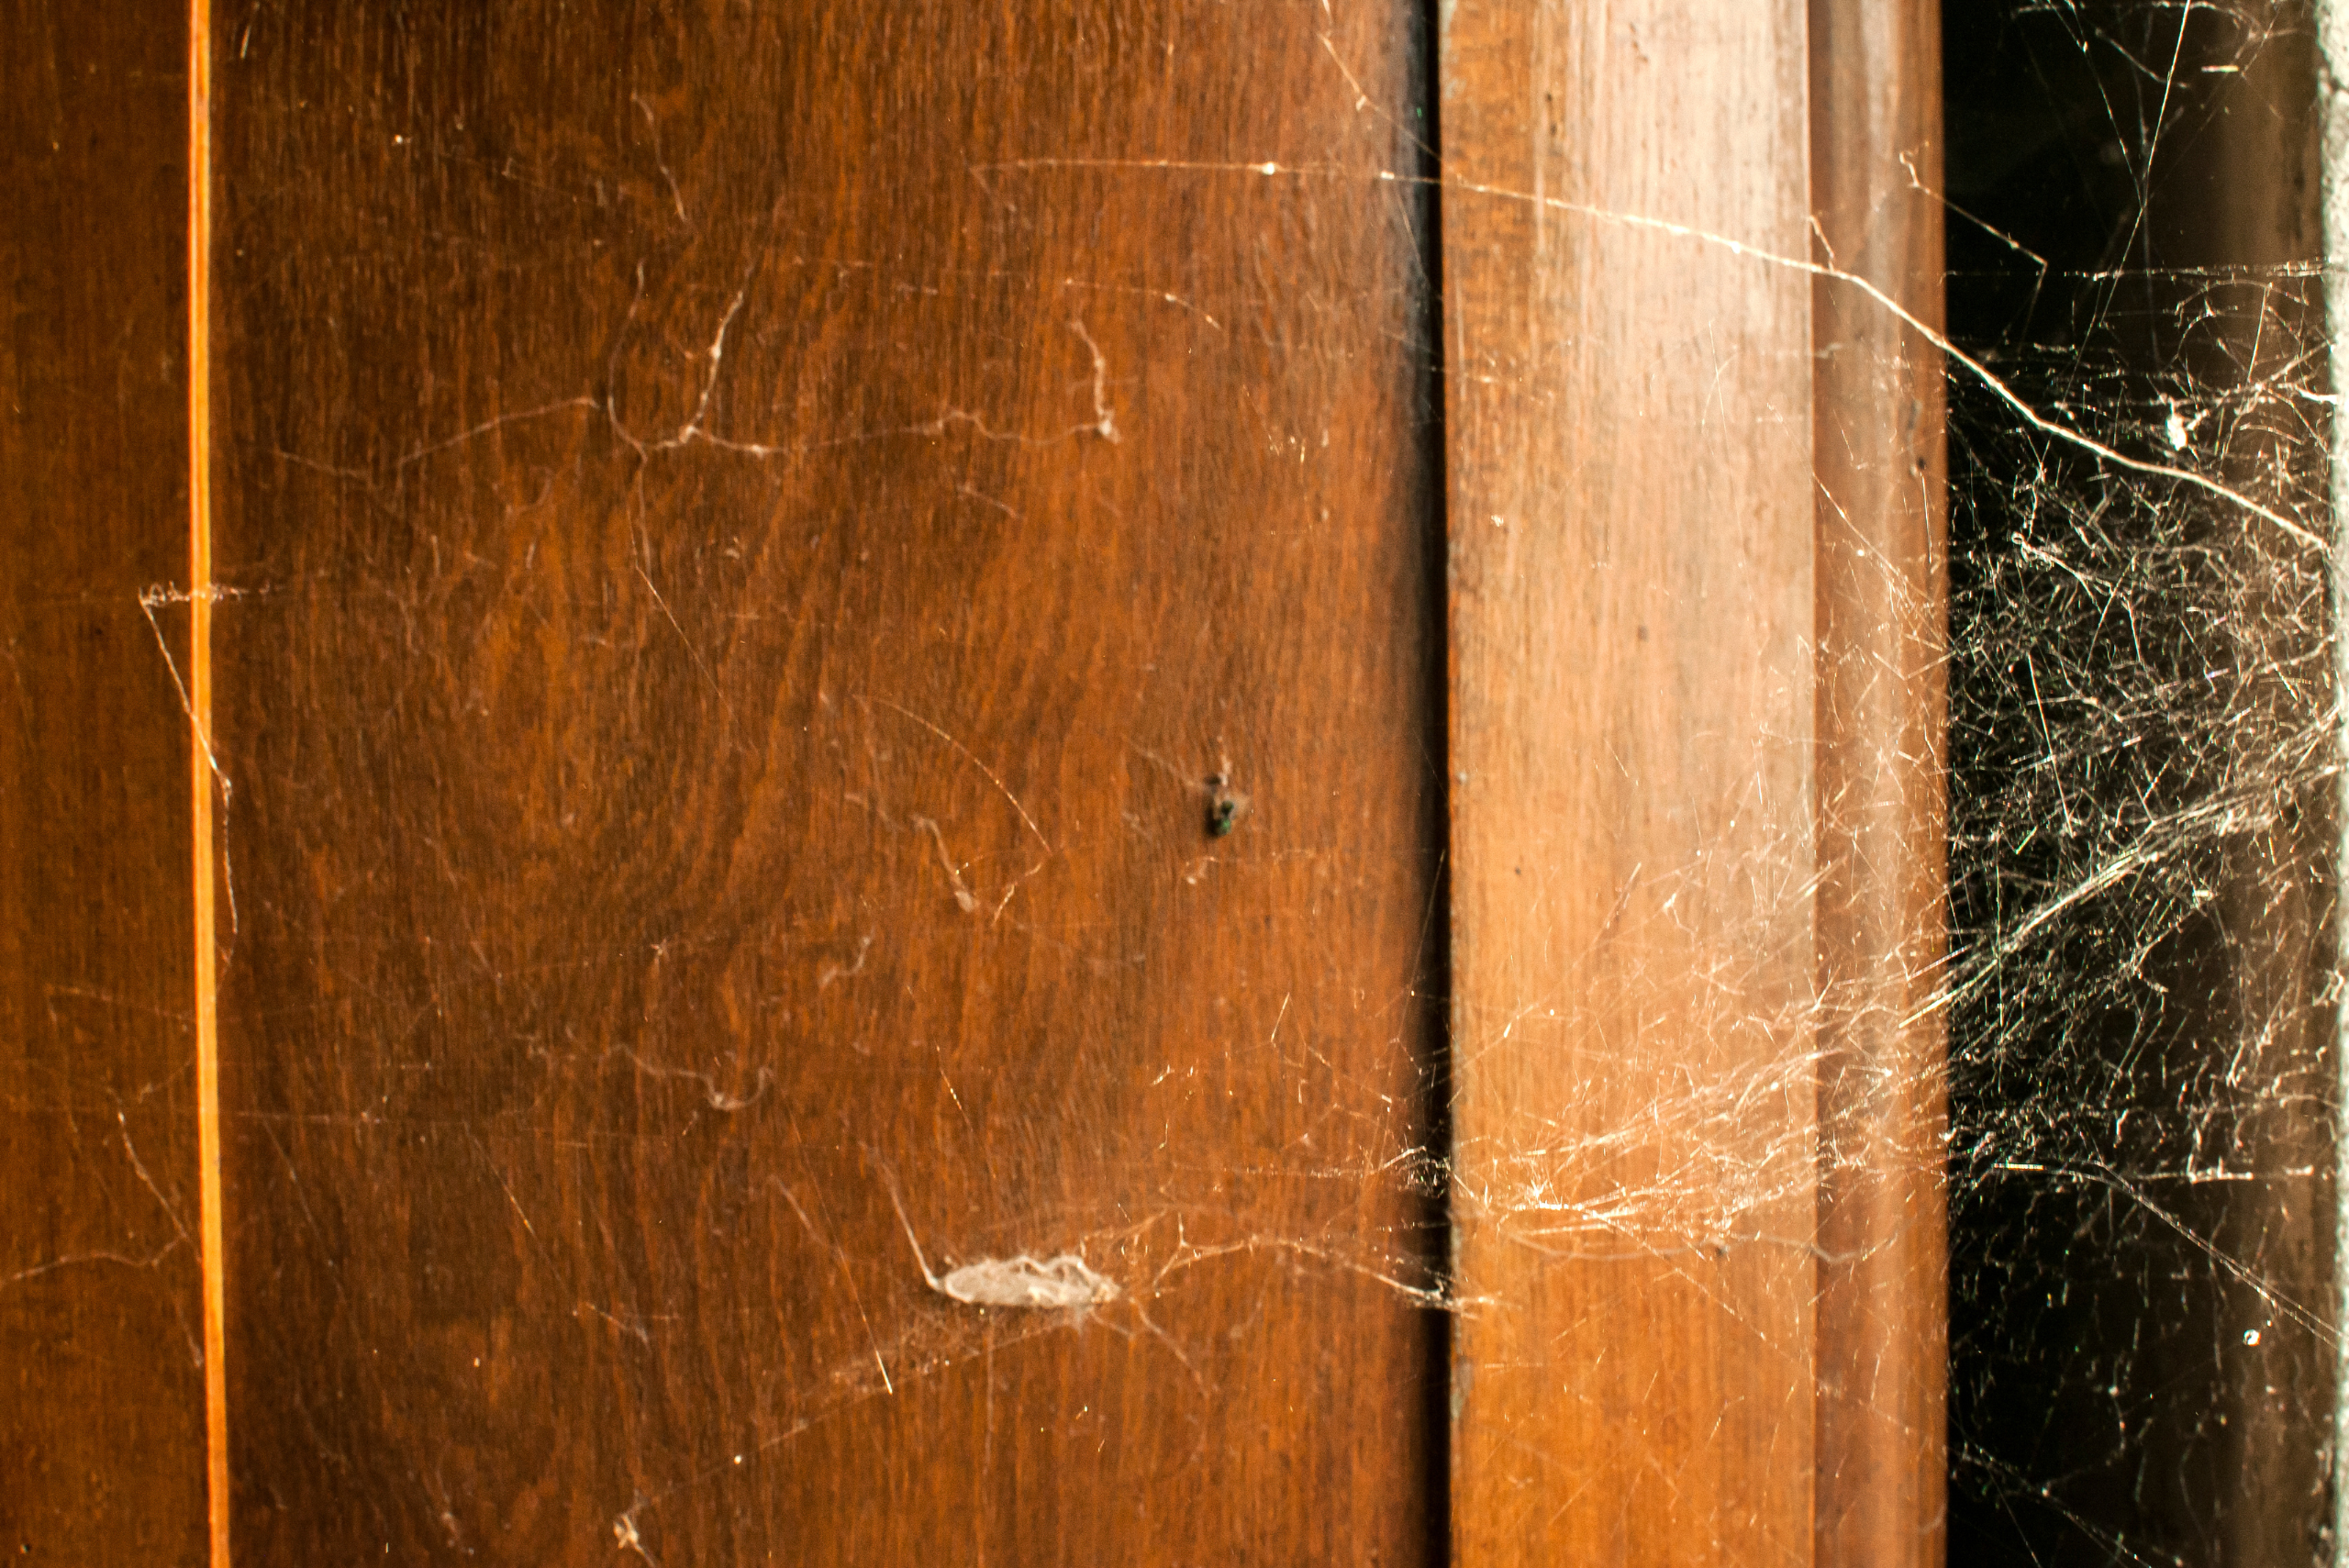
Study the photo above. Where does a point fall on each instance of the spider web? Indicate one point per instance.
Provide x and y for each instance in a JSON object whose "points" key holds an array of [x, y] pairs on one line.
{"points": [[2145, 759]]}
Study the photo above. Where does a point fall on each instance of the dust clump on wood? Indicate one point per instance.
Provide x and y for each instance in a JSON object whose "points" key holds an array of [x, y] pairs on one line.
{"points": [[1063, 1282]]}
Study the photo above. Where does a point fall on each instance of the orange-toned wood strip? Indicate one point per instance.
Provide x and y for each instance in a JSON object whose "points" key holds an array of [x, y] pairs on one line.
{"points": [[204, 774], [1631, 531], [1883, 623]]}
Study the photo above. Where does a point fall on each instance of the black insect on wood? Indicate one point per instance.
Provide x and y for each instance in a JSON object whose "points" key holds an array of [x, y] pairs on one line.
{"points": [[1226, 805]]}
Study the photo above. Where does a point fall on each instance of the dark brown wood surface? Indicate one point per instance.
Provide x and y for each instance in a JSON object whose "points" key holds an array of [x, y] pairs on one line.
{"points": [[1883, 619], [753, 540], [828, 678], [2234, 227], [1629, 418], [102, 1438]]}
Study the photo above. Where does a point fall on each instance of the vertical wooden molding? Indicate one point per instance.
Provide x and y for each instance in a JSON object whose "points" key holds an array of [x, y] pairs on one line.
{"points": [[1882, 636], [202, 769], [1632, 538]]}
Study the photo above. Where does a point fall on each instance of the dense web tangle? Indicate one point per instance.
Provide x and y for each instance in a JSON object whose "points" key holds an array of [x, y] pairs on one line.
{"points": [[2145, 751]]}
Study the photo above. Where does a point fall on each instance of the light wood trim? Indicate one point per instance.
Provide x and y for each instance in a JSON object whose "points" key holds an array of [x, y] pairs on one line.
{"points": [[1883, 634], [1632, 551], [202, 772]]}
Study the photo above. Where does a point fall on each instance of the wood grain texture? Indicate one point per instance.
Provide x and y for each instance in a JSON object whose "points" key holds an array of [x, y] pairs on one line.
{"points": [[753, 536], [102, 1441], [1881, 465], [1629, 418]]}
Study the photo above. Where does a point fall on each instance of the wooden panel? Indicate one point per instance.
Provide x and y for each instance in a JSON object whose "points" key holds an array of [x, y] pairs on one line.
{"points": [[1883, 619], [1629, 423], [757, 539], [102, 1434]]}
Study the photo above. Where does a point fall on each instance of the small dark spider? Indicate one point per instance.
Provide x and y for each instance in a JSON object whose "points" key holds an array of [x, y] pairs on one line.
{"points": [[1225, 806]]}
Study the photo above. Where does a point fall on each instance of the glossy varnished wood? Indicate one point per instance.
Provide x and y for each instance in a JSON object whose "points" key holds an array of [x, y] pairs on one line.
{"points": [[1629, 417], [753, 538], [1883, 619], [102, 1439]]}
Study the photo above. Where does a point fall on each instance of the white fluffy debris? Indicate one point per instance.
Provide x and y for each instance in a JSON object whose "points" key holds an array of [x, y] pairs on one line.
{"points": [[1065, 1283]]}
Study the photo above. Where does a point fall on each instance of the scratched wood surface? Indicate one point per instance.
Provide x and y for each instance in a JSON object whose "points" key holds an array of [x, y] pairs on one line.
{"points": [[101, 1379], [758, 548], [1629, 419], [1881, 470]]}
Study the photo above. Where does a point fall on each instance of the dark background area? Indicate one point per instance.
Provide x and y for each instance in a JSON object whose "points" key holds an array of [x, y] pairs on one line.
{"points": [[2131, 1346]]}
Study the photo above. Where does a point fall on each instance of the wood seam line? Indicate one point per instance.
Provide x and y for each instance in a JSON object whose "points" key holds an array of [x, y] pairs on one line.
{"points": [[201, 768]]}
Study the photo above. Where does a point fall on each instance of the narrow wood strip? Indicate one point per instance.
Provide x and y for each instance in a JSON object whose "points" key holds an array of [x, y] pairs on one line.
{"points": [[1631, 537], [1883, 622], [203, 770]]}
